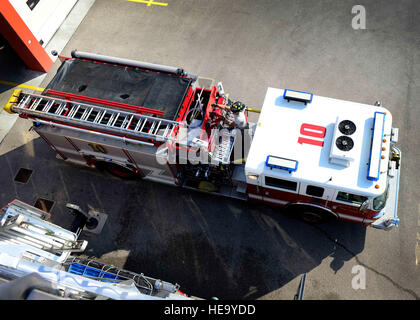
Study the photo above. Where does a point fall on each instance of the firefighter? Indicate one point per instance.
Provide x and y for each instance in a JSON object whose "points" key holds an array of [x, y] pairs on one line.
{"points": [[236, 117]]}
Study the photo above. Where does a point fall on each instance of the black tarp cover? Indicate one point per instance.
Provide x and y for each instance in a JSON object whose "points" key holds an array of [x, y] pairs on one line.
{"points": [[159, 91]]}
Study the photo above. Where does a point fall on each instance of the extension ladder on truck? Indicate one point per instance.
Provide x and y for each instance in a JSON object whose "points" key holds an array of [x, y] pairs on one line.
{"points": [[93, 116]]}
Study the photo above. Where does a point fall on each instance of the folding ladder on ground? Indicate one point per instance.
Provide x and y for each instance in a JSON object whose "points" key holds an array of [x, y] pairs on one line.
{"points": [[90, 116]]}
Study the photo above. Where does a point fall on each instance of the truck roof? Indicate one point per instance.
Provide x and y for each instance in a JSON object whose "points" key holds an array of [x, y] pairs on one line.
{"points": [[322, 141], [123, 84]]}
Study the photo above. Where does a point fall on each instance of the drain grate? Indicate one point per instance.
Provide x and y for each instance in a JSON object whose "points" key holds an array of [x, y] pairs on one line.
{"points": [[44, 204], [23, 175]]}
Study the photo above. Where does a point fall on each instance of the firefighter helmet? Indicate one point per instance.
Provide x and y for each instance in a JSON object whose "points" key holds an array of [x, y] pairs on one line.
{"points": [[237, 106]]}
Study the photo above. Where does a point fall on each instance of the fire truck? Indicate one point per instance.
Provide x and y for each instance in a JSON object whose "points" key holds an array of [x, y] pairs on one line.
{"points": [[320, 158]]}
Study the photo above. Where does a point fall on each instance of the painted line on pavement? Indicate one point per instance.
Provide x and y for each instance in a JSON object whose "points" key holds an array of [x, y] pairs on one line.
{"points": [[150, 2], [13, 84]]}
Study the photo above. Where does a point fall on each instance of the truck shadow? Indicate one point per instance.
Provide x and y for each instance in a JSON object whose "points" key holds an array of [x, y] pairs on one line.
{"points": [[211, 246]]}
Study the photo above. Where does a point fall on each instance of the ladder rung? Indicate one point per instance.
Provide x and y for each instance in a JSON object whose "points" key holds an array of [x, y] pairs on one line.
{"points": [[115, 120], [87, 116], [141, 129], [84, 114], [98, 115], [129, 122], [23, 103], [157, 128], [60, 108], [74, 111], [70, 114], [103, 114], [126, 122], [138, 124], [35, 103], [19, 239], [110, 119], [48, 106], [152, 127]]}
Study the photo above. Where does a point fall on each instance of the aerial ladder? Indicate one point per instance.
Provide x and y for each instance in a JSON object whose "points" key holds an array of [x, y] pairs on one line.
{"points": [[36, 254]]}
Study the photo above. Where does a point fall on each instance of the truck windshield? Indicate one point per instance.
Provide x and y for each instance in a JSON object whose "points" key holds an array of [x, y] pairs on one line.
{"points": [[379, 202]]}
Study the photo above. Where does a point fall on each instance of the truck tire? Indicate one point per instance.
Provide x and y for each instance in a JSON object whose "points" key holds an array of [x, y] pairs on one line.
{"points": [[310, 214]]}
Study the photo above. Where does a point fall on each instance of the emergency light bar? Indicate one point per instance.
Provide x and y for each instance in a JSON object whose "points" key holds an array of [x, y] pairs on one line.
{"points": [[300, 96], [376, 149], [281, 163]]}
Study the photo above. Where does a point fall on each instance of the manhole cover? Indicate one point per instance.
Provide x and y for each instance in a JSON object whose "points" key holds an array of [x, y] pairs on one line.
{"points": [[97, 221], [92, 223], [44, 204], [23, 175]]}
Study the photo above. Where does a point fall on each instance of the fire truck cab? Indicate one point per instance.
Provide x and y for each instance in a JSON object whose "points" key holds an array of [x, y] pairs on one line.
{"points": [[326, 158], [321, 157]]}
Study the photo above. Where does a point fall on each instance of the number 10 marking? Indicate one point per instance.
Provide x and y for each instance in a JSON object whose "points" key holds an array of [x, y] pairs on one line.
{"points": [[313, 131]]}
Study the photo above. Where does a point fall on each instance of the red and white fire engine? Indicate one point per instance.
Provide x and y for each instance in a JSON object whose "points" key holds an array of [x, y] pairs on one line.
{"points": [[321, 158]]}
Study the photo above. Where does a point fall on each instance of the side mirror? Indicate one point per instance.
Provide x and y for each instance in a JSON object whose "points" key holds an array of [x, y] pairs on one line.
{"points": [[364, 206]]}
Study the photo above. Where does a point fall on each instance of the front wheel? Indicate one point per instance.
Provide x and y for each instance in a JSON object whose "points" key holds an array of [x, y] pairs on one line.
{"points": [[310, 214]]}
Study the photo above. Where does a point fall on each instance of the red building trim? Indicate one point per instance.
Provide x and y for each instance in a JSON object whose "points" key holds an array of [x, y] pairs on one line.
{"points": [[22, 40]]}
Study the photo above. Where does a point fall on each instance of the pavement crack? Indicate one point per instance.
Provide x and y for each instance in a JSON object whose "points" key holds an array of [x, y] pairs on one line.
{"points": [[336, 242]]}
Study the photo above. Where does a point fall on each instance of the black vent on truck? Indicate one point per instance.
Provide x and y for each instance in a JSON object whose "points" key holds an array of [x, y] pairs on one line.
{"points": [[347, 127], [344, 143]]}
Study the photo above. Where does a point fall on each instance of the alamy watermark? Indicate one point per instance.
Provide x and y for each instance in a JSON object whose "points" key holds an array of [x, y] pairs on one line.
{"points": [[359, 279], [196, 147], [359, 20]]}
